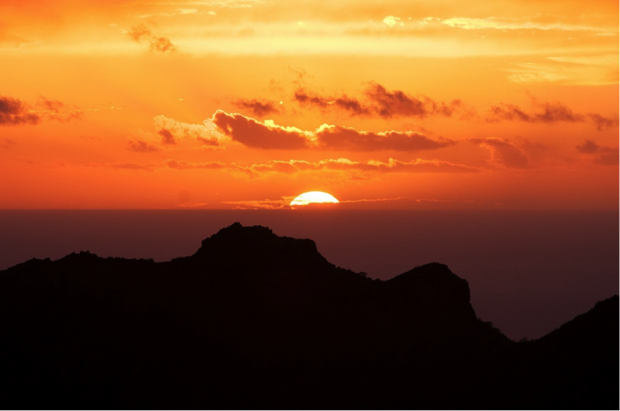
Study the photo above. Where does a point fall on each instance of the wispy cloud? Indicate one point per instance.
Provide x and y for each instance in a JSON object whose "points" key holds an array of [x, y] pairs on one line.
{"points": [[14, 112], [596, 72], [259, 108], [379, 101], [141, 34], [503, 23], [141, 146], [602, 155], [547, 112]]}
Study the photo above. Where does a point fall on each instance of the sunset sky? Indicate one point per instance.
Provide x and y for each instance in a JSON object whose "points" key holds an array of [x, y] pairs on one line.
{"points": [[247, 104]]}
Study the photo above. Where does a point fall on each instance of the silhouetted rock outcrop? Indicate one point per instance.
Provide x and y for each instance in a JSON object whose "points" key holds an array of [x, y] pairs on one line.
{"points": [[254, 320]]}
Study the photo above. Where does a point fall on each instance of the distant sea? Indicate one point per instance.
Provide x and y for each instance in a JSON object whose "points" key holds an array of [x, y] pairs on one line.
{"points": [[528, 271]]}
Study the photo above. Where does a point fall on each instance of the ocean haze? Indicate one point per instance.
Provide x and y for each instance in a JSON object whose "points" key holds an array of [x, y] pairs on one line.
{"points": [[528, 271]]}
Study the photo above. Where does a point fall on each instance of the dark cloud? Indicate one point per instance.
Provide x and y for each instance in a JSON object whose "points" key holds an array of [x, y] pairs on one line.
{"points": [[345, 138], [345, 103], [142, 146], [166, 136], [602, 122], [254, 134], [504, 152], [15, 113], [607, 159], [142, 34], [268, 135], [588, 147], [259, 108], [379, 101], [397, 103], [547, 113], [601, 155]]}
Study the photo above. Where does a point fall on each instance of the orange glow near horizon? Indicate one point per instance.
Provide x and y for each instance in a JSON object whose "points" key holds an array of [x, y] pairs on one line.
{"points": [[244, 103]]}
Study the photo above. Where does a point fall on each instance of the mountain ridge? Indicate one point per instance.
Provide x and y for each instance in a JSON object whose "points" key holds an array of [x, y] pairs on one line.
{"points": [[251, 310]]}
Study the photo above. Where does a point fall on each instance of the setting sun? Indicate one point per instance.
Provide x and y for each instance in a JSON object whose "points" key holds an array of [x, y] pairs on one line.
{"points": [[313, 197]]}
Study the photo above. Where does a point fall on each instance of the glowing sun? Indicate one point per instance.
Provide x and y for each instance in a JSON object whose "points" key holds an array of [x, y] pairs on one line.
{"points": [[313, 197]]}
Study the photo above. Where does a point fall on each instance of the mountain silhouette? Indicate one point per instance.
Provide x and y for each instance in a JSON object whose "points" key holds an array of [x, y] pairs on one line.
{"points": [[254, 320]]}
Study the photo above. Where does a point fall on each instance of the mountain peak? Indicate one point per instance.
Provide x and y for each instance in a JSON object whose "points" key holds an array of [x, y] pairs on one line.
{"points": [[259, 245]]}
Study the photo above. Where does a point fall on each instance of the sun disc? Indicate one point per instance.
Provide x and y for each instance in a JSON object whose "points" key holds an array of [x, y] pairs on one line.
{"points": [[312, 197]]}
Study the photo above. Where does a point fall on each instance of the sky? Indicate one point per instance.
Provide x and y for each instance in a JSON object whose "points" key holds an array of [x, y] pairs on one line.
{"points": [[245, 104]]}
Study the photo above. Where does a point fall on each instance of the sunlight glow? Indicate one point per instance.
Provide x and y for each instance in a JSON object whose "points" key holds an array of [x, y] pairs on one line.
{"points": [[313, 197]]}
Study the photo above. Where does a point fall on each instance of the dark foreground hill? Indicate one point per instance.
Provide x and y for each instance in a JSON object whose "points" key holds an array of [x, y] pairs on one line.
{"points": [[253, 320]]}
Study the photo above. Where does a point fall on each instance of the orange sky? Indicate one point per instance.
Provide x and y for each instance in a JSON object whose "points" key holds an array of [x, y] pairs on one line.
{"points": [[248, 103]]}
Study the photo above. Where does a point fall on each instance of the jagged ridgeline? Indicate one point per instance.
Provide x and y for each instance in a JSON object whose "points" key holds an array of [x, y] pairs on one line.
{"points": [[254, 320]]}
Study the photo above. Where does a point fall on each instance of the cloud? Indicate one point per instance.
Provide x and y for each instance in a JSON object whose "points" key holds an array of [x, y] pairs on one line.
{"points": [[284, 202], [392, 21], [345, 103], [141, 146], [602, 155], [518, 24], [594, 71], [361, 168], [15, 113], [260, 204], [171, 131], [141, 33], [549, 113], [379, 101], [342, 167], [134, 166], [399, 104], [504, 152], [256, 134], [607, 159], [345, 138], [268, 135], [183, 165], [588, 147], [602, 122], [259, 108], [56, 110]]}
